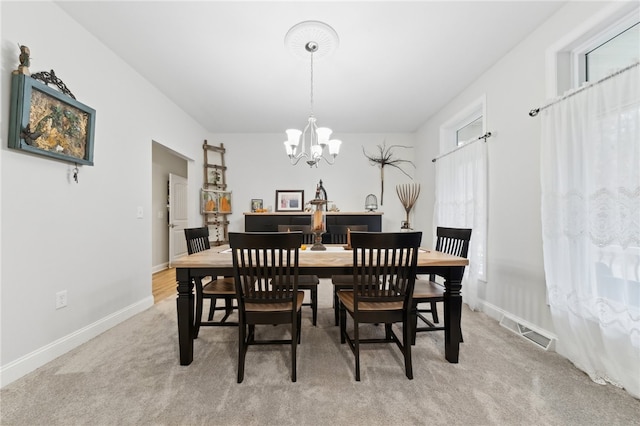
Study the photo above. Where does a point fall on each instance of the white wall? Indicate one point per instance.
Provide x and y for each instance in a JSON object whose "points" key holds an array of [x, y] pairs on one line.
{"points": [[513, 86], [85, 237], [258, 166]]}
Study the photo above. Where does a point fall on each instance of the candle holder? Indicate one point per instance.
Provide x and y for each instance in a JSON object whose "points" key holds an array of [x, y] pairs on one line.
{"points": [[318, 223]]}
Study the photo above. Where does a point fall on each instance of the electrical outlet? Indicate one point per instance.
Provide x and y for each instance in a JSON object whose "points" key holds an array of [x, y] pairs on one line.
{"points": [[61, 299]]}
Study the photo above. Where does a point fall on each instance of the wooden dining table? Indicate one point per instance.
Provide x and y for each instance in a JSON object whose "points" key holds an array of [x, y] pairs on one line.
{"points": [[336, 260]]}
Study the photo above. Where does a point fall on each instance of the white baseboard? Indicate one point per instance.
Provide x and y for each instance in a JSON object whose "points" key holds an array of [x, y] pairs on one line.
{"points": [[500, 314], [492, 310], [160, 267], [28, 363]]}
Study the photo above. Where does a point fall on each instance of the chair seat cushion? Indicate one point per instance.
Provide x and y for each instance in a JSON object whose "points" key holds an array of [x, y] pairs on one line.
{"points": [[425, 289], [274, 307], [221, 286], [347, 299]]}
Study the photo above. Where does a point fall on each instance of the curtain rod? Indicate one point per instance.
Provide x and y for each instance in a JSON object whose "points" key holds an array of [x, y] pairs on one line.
{"points": [[535, 112], [483, 137]]}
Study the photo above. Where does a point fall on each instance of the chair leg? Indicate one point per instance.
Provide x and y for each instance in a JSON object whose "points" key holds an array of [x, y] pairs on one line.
{"points": [[343, 324], [294, 343], [414, 322], [198, 317], [229, 305], [299, 319], [356, 343], [228, 308], [387, 331], [434, 312], [406, 345], [336, 306], [314, 304], [212, 308], [251, 337], [242, 350]]}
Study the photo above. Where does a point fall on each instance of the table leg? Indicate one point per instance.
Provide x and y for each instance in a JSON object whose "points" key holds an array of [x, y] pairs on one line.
{"points": [[452, 314], [185, 315]]}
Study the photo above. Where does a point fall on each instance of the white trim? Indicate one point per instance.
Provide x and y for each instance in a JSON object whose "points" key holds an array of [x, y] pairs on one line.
{"points": [[160, 267], [31, 361], [476, 108], [612, 30], [573, 39]]}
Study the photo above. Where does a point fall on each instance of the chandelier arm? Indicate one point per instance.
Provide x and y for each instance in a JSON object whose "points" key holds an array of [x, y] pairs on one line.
{"points": [[331, 161], [296, 159]]}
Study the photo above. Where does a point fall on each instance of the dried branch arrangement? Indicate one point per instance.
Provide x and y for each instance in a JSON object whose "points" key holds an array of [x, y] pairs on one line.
{"points": [[408, 194], [385, 158]]}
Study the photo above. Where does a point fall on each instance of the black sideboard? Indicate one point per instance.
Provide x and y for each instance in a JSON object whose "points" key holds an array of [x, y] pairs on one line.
{"points": [[268, 222]]}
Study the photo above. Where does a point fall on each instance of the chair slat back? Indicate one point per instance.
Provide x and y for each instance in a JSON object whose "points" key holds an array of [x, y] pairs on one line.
{"points": [[197, 239], [454, 241], [259, 259], [384, 265], [339, 232], [307, 235]]}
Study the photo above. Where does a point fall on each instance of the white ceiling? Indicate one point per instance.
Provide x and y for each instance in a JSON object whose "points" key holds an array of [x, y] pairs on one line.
{"points": [[226, 65]]}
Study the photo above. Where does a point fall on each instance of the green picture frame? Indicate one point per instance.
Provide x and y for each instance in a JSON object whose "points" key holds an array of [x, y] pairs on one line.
{"points": [[46, 122]]}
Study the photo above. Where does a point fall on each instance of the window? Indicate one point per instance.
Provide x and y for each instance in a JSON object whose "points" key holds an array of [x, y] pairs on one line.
{"points": [[466, 126], [470, 132], [607, 42], [461, 179], [617, 52]]}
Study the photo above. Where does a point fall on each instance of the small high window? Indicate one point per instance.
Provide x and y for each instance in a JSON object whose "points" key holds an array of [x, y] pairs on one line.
{"points": [[469, 132], [615, 53], [595, 49], [466, 126]]}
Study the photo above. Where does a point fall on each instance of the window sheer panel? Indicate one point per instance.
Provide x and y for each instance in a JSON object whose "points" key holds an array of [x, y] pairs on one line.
{"points": [[590, 171], [461, 202]]}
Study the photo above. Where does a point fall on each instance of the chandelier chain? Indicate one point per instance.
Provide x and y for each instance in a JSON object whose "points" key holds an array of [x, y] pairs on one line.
{"points": [[311, 96]]}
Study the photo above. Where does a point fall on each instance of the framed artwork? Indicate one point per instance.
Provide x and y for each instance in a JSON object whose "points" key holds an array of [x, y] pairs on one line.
{"points": [[46, 122], [256, 205], [213, 201], [289, 200]]}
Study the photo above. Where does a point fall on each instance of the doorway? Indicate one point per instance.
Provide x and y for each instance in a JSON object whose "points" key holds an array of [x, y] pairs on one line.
{"points": [[164, 162]]}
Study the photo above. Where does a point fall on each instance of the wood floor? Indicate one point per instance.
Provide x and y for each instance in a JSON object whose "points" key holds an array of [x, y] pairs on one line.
{"points": [[164, 284]]}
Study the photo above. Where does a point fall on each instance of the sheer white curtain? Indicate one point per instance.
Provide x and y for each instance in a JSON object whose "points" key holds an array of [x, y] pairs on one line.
{"points": [[590, 167], [461, 202]]}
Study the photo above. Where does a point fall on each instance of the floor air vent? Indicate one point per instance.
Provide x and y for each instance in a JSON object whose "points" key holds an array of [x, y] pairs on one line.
{"points": [[533, 336]]}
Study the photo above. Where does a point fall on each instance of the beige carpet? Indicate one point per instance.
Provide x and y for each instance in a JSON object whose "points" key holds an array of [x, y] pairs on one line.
{"points": [[131, 375]]}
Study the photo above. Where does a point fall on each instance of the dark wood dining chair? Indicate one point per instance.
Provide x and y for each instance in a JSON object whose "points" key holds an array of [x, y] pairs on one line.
{"points": [[384, 272], [338, 235], [454, 241], [214, 289], [259, 260], [306, 282]]}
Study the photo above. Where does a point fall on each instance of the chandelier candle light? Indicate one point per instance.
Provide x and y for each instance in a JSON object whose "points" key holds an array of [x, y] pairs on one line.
{"points": [[311, 38]]}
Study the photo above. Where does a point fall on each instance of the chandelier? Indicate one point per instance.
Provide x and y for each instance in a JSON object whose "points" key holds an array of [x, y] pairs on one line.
{"points": [[313, 142]]}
